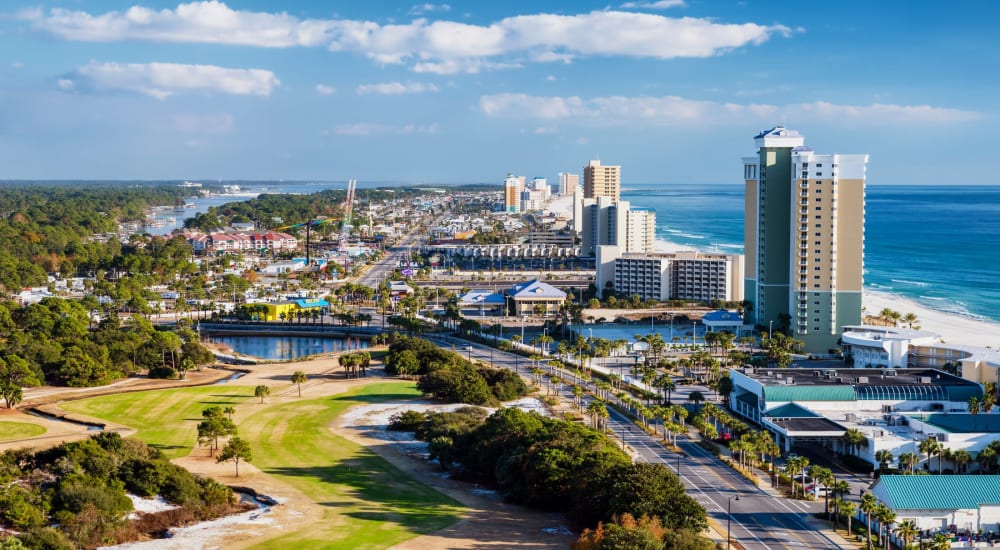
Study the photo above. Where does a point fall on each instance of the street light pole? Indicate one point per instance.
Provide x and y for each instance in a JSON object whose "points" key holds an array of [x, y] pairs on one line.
{"points": [[729, 519], [770, 325]]}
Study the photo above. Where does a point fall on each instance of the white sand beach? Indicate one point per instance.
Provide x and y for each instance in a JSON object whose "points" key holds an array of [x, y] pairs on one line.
{"points": [[953, 328]]}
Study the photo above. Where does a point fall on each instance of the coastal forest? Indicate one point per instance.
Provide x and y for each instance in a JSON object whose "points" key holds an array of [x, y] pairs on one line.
{"points": [[76, 495]]}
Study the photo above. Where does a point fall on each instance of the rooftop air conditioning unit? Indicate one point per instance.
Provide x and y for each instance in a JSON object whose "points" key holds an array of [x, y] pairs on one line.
{"points": [[862, 380], [851, 417], [748, 370], [925, 379], [790, 380]]}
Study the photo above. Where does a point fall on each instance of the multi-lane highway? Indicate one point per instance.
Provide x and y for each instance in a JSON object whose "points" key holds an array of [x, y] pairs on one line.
{"points": [[759, 521]]}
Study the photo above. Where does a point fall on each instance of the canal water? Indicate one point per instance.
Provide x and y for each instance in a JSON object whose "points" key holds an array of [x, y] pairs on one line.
{"points": [[285, 347]]}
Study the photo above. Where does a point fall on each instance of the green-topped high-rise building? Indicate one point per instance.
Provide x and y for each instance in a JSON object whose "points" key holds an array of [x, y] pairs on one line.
{"points": [[804, 238]]}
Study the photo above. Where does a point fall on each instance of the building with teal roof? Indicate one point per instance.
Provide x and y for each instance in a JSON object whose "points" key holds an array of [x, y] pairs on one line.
{"points": [[969, 503], [816, 407]]}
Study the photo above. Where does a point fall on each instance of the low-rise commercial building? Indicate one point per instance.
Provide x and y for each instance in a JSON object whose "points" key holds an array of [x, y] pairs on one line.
{"points": [[894, 347], [943, 502]]}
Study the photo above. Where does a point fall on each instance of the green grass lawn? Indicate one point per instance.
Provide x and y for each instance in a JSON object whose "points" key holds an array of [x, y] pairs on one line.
{"points": [[165, 419], [10, 431], [369, 503]]}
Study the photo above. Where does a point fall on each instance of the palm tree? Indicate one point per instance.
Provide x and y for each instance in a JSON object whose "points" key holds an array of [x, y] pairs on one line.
{"points": [[884, 457], [929, 447], [961, 459], [847, 508], [229, 411], [885, 517], [975, 407], [261, 392], [298, 379], [696, 397], [825, 477], [908, 461], [840, 488], [906, 530], [941, 541], [797, 465], [868, 506], [854, 438]]}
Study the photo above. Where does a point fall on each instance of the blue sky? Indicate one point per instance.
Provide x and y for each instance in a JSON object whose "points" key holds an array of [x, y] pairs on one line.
{"points": [[673, 90]]}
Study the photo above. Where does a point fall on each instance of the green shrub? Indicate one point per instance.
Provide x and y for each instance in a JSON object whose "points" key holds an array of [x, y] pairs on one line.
{"points": [[406, 421]]}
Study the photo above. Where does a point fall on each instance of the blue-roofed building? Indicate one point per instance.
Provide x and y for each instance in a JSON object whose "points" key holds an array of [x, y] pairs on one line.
{"points": [[969, 503], [534, 297], [722, 319], [482, 302]]}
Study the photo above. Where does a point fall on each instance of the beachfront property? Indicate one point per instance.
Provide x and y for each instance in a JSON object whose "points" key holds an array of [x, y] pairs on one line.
{"points": [[894, 409], [804, 237], [602, 181], [895, 347], [694, 276], [943, 502], [607, 221], [568, 183]]}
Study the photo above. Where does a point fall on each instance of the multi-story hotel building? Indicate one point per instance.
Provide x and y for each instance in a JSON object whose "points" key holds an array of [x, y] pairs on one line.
{"points": [[568, 183], [605, 221], [513, 186], [601, 181], [695, 276], [804, 238]]}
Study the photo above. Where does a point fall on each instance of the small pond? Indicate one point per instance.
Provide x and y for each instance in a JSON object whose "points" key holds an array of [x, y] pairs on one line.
{"points": [[285, 347]]}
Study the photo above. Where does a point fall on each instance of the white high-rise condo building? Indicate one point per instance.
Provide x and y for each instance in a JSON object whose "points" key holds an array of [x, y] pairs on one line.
{"points": [[804, 238], [568, 183], [513, 186]]}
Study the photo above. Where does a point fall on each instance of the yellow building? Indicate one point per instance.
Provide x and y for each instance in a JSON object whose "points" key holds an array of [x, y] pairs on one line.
{"points": [[288, 310]]}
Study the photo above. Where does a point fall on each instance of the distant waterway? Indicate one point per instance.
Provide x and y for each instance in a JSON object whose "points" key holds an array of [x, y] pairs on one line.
{"points": [[285, 347]]}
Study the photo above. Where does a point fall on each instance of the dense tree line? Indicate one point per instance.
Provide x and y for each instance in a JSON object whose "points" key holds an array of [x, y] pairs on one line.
{"points": [[55, 341], [556, 465], [48, 228], [447, 376], [74, 495]]}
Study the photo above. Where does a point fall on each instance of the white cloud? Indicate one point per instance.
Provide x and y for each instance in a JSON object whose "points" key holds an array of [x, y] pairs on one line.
{"points": [[441, 47], [323, 89], [396, 88], [546, 130], [665, 110], [370, 129], [421, 9], [161, 80], [210, 22], [551, 78], [658, 5]]}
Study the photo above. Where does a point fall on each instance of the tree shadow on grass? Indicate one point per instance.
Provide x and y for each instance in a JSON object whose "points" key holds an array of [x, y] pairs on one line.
{"points": [[374, 490], [377, 397]]}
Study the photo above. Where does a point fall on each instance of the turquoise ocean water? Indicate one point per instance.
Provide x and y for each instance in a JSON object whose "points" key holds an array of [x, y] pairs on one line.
{"points": [[937, 245]]}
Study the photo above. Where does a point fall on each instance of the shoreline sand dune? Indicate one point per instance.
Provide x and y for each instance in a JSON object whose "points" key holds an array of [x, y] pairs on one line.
{"points": [[953, 328]]}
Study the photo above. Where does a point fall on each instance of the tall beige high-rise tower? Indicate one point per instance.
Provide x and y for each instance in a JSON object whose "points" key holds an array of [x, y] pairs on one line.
{"points": [[601, 181], [804, 238]]}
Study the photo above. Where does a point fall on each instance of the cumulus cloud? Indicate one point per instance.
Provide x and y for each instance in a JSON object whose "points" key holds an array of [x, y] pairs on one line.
{"points": [[658, 5], [441, 47], [323, 89], [370, 129], [421, 9], [161, 80], [663, 110], [396, 88]]}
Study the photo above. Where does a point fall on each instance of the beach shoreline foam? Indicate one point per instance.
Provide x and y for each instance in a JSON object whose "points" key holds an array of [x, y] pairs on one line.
{"points": [[953, 327]]}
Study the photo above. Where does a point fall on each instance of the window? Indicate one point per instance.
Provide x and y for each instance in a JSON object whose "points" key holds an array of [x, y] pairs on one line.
{"points": [[819, 166], [819, 234], [819, 208]]}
